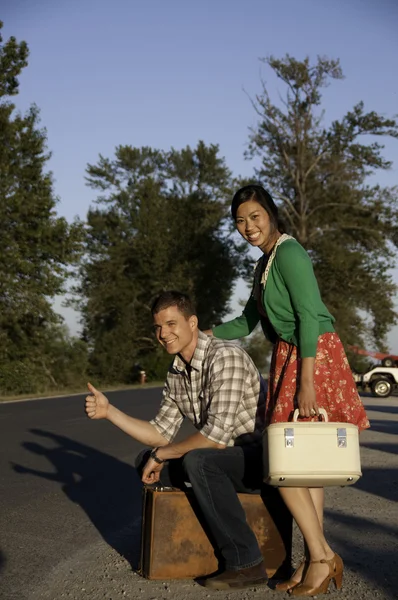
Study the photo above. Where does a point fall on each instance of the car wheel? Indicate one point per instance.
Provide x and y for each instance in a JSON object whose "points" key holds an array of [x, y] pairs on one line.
{"points": [[381, 388], [388, 362]]}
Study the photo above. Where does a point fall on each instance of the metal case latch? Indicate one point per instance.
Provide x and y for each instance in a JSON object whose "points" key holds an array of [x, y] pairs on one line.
{"points": [[341, 437], [289, 437]]}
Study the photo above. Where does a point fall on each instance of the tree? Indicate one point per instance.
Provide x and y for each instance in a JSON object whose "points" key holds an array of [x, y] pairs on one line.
{"points": [[259, 349], [36, 246], [160, 223], [320, 176]]}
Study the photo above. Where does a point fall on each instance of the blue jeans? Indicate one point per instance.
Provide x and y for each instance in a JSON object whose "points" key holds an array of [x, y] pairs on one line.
{"points": [[216, 476]]}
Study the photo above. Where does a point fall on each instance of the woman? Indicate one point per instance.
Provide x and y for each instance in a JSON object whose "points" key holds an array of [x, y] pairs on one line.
{"points": [[309, 368]]}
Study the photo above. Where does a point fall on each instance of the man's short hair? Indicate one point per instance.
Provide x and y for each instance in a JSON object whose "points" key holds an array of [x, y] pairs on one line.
{"points": [[173, 298]]}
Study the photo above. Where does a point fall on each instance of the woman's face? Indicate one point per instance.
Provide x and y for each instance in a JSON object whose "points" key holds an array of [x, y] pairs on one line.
{"points": [[254, 224]]}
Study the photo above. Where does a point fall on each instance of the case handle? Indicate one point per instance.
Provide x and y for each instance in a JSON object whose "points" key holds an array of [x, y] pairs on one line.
{"points": [[322, 412]]}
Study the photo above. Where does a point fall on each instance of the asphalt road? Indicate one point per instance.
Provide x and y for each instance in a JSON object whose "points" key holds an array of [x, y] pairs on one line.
{"points": [[65, 482], [70, 505]]}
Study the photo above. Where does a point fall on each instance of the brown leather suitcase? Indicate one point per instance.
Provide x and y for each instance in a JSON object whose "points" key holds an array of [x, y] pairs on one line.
{"points": [[174, 544]]}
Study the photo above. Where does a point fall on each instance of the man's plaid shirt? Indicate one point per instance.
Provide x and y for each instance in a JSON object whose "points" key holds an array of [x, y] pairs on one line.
{"points": [[221, 392]]}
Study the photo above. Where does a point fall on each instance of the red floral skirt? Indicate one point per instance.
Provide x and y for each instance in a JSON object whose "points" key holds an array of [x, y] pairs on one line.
{"points": [[335, 388]]}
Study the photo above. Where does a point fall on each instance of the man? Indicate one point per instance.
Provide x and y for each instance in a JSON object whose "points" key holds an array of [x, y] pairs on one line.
{"points": [[215, 384]]}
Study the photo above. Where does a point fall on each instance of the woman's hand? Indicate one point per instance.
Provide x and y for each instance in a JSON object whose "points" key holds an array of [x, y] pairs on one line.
{"points": [[306, 400], [306, 397]]}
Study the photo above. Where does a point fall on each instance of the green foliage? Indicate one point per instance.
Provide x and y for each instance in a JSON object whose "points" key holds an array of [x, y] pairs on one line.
{"points": [[155, 363], [320, 174], [36, 246], [359, 364], [160, 223], [13, 58], [259, 349], [53, 361]]}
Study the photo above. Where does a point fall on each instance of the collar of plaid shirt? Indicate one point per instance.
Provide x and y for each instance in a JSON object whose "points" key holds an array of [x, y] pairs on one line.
{"points": [[198, 356]]}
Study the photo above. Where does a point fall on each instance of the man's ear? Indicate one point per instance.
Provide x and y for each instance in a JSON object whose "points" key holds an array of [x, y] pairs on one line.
{"points": [[193, 321]]}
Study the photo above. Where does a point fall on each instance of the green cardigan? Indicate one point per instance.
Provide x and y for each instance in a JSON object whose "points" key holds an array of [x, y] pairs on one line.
{"points": [[292, 303]]}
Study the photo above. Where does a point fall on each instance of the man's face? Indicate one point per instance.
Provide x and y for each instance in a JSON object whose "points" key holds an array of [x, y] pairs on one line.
{"points": [[175, 332]]}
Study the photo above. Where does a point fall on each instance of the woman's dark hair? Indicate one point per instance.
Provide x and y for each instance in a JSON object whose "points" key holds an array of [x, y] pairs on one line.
{"points": [[260, 195]]}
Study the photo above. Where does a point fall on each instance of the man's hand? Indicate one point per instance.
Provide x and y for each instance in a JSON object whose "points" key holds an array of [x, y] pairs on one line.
{"points": [[96, 404], [307, 401], [151, 472]]}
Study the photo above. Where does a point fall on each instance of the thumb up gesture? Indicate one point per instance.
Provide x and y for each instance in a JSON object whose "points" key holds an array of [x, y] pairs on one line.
{"points": [[96, 404]]}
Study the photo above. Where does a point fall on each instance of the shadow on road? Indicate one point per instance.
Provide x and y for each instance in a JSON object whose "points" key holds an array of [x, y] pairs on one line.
{"points": [[383, 426], [2, 560], [393, 410], [107, 489], [382, 447], [367, 549], [380, 482]]}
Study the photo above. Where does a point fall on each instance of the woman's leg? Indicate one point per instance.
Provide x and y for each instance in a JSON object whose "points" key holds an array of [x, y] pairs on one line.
{"points": [[318, 499], [306, 506]]}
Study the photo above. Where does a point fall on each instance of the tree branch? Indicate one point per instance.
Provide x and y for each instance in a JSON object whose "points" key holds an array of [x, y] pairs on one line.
{"points": [[287, 201]]}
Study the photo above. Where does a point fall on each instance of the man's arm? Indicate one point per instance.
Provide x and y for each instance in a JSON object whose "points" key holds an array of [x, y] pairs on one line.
{"points": [[227, 380], [98, 407], [152, 470], [227, 383], [197, 440]]}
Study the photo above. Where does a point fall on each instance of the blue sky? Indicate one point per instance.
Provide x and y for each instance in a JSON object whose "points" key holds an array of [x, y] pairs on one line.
{"points": [[168, 73]]}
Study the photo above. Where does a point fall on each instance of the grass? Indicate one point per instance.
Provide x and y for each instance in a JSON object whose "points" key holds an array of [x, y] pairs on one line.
{"points": [[76, 390]]}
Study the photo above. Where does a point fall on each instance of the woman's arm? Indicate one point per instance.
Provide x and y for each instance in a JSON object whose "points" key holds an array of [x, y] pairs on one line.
{"points": [[240, 326], [306, 397], [296, 269], [297, 272]]}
